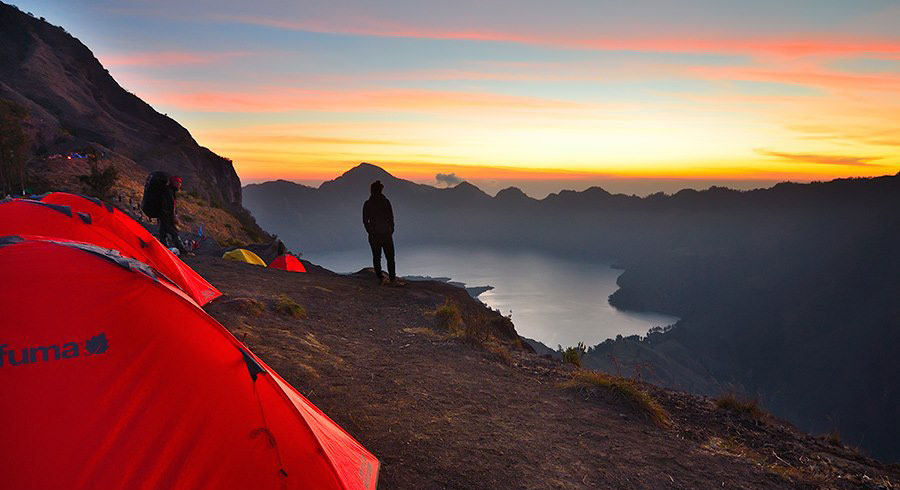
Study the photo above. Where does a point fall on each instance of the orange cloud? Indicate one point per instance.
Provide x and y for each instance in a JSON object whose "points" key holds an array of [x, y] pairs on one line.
{"points": [[867, 135], [821, 159]]}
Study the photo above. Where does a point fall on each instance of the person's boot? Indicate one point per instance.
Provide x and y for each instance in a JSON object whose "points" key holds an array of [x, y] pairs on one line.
{"points": [[385, 281]]}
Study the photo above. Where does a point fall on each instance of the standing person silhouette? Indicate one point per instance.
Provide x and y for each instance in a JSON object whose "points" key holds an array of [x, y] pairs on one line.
{"points": [[378, 218]]}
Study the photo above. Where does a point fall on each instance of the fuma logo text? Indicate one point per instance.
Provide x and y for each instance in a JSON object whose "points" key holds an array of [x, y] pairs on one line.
{"points": [[27, 355]]}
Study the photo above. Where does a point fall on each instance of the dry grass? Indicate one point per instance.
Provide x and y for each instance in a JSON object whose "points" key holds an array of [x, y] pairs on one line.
{"points": [[288, 307], [246, 306], [474, 332], [733, 448], [623, 389], [448, 316], [745, 408], [467, 334], [477, 331], [501, 352]]}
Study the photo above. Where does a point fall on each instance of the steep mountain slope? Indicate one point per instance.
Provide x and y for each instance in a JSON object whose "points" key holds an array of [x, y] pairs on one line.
{"points": [[787, 295], [72, 103]]}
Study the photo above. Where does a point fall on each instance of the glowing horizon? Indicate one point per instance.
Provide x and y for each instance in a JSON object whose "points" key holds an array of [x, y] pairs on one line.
{"points": [[501, 91]]}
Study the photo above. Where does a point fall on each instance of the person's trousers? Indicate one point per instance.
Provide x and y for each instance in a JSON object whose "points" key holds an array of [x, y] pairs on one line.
{"points": [[379, 242], [168, 234]]}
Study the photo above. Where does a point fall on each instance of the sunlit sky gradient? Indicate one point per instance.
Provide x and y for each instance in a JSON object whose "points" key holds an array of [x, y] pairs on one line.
{"points": [[634, 96]]}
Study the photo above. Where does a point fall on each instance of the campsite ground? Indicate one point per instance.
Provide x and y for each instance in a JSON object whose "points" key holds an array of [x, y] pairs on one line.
{"points": [[441, 413]]}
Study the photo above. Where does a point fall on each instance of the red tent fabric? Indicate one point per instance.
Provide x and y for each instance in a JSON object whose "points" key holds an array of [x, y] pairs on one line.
{"points": [[114, 378], [287, 263], [92, 221]]}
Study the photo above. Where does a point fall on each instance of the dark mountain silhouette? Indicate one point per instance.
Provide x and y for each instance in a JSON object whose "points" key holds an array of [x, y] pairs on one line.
{"points": [[320, 218], [71, 102], [787, 294], [512, 195]]}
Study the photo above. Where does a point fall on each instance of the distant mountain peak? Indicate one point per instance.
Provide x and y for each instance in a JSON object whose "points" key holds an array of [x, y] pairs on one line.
{"points": [[465, 185], [596, 191], [512, 193], [467, 189], [367, 171], [360, 176]]}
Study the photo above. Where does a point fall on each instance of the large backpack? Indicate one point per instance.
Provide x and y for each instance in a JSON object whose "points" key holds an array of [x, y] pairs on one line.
{"points": [[154, 192]]}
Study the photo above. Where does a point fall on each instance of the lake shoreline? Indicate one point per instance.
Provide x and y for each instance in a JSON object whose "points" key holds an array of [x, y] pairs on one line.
{"points": [[552, 298]]}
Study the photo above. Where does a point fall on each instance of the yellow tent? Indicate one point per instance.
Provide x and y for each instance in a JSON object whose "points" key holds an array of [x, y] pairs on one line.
{"points": [[244, 255]]}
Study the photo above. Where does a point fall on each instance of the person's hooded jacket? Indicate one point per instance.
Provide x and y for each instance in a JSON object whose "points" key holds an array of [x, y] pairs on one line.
{"points": [[378, 217]]}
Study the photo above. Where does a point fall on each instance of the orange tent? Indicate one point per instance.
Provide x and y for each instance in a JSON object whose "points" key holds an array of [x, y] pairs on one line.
{"points": [[78, 218], [287, 262], [114, 378]]}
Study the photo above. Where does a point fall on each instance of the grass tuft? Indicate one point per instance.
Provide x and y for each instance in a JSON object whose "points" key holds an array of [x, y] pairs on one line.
{"points": [[834, 438], [475, 332], [501, 352], [624, 389], [572, 355], [288, 307], [246, 306], [448, 316], [746, 408]]}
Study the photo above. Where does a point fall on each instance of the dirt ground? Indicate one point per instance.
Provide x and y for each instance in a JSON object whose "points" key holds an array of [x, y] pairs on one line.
{"points": [[441, 413]]}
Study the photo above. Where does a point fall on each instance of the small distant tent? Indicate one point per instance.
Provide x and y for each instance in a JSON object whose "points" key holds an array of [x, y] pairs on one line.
{"points": [[73, 217], [116, 379], [287, 262], [244, 255]]}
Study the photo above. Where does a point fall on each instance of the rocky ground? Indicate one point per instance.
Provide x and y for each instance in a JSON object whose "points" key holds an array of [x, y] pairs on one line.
{"points": [[445, 411]]}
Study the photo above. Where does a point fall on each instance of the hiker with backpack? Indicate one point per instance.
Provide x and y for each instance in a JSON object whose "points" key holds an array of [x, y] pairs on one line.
{"points": [[160, 193]]}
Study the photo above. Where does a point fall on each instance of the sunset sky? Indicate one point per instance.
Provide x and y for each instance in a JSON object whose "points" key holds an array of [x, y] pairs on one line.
{"points": [[634, 96]]}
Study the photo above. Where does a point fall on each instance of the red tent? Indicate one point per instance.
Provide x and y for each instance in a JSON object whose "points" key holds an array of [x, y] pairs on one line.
{"points": [[113, 378], [88, 220], [287, 263]]}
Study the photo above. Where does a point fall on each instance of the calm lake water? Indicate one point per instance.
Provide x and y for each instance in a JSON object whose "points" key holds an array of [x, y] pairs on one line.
{"points": [[554, 300]]}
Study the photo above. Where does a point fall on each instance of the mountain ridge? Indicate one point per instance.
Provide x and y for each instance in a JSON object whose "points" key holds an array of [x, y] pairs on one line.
{"points": [[72, 104]]}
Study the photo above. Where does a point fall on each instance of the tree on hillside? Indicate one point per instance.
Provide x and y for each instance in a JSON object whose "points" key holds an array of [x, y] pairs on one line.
{"points": [[13, 148], [100, 182]]}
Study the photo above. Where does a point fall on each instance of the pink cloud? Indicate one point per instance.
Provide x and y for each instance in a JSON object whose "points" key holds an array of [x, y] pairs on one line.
{"points": [[782, 47], [281, 99], [804, 75], [167, 58]]}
